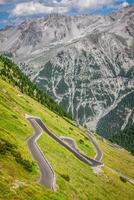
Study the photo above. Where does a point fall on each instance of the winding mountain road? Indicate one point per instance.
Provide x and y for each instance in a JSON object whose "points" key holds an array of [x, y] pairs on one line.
{"points": [[71, 142], [99, 153], [89, 161], [47, 175]]}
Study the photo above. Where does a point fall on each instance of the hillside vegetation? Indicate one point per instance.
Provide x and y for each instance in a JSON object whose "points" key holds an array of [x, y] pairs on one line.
{"points": [[10, 71], [125, 138], [75, 180]]}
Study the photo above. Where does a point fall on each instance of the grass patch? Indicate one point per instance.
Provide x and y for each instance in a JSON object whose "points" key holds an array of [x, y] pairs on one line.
{"points": [[6, 148]]}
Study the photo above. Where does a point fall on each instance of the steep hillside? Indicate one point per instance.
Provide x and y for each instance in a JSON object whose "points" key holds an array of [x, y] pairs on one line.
{"points": [[108, 126], [85, 62], [125, 138], [19, 173], [10, 71]]}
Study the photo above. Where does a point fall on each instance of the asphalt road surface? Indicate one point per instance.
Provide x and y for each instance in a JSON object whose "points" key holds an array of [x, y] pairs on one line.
{"points": [[47, 176], [99, 153]]}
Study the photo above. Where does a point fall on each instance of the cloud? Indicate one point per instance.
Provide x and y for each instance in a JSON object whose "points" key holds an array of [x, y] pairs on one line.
{"points": [[125, 4], [84, 4], [91, 3], [31, 8]]}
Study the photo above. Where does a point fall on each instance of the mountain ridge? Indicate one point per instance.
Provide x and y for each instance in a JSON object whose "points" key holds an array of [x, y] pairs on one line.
{"points": [[19, 173], [85, 63]]}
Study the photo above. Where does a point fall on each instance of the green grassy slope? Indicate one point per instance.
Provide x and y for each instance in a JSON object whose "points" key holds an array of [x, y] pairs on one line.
{"points": [[16, 182], [117, 158]]}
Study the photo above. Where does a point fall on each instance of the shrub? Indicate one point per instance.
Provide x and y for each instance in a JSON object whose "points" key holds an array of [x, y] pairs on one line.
{"points": [[15, 117], [2, 148], [81, 141], [6, 147], [123, 179], [66, 177], [71, 128], [27, 165]]}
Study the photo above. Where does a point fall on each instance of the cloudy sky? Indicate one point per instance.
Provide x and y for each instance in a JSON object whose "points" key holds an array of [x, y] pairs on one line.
{"points": [[15, 11]]}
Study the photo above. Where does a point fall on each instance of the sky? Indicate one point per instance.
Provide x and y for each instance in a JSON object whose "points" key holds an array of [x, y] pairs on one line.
{"points": [[13, 12]]}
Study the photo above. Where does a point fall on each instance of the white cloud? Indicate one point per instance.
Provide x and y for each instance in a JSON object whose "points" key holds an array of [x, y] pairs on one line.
{"points": [[125, 4], [84, 4], [91, 3], [63, 2], [32, 7]]}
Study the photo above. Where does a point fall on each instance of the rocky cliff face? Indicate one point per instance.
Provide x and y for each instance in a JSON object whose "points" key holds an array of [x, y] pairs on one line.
{"points": [[86, 63]]}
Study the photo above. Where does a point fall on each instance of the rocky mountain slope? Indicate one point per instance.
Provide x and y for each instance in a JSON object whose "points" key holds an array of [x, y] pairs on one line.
{"points": [[19, 173], [85, 62]]}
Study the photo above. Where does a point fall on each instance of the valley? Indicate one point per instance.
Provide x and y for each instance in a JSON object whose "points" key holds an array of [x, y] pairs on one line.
{"points": [[21, 178], [66, 101]]}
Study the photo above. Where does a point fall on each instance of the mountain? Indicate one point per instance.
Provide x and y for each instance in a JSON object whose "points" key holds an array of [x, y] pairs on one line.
{"points": [[19, 173], [125, 138], [86, 63]]}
